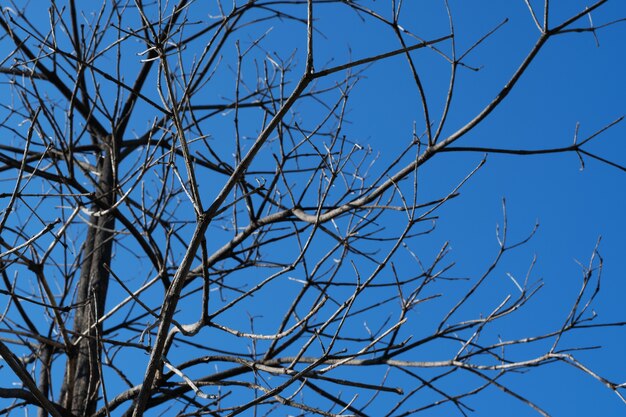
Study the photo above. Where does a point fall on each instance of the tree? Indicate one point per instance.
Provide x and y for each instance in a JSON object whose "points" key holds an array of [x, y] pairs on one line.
{"points": [[194, 225]]}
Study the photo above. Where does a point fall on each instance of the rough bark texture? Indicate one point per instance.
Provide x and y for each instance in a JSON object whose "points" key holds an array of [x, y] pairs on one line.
{"points": [[82, 378]]}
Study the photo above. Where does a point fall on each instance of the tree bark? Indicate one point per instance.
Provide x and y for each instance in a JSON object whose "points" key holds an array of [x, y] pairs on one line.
{"points": [[82, 378]]}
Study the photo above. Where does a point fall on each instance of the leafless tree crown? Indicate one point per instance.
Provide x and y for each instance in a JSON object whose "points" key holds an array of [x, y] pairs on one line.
{"points": [[189, 227]]}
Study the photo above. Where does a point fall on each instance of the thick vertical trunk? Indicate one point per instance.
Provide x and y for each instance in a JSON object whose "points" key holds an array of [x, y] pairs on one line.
{"points": [[82, 378]]}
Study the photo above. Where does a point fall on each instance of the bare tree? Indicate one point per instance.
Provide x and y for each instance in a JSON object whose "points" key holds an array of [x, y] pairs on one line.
{"points": [[189, 227]]}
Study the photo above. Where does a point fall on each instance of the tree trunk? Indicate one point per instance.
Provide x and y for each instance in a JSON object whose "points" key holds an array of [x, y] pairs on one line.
{"points": [[82, 377]]}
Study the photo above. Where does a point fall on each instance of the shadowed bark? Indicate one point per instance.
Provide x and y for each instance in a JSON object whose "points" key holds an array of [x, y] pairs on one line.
{"points": [[82, 378]]}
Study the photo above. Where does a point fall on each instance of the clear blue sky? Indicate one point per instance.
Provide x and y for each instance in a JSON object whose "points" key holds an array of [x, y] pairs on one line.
{"points": [[572, 81]]}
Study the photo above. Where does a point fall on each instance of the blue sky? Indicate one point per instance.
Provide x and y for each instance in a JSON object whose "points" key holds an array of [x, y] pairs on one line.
{"points": [[572, 81]]}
